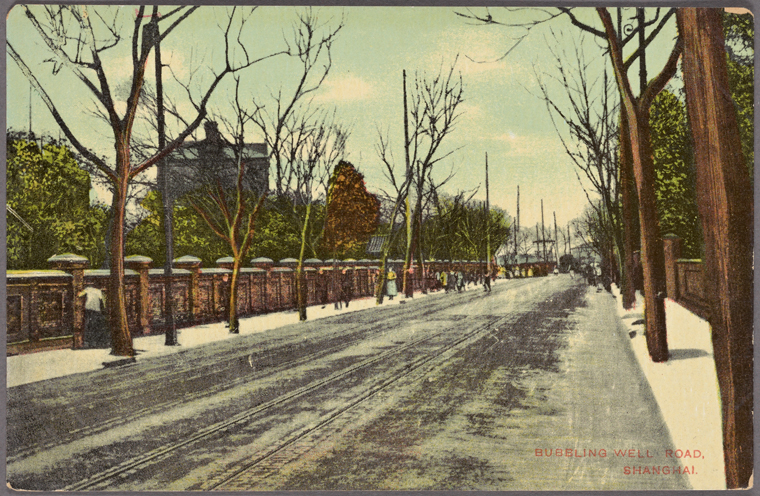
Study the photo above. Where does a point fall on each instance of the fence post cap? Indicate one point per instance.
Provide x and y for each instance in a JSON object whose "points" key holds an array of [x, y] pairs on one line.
{"points": [[68, 261], [288, 262], [671, 236], [187, 259], [67, 257], [136, 261], [188, 262]]}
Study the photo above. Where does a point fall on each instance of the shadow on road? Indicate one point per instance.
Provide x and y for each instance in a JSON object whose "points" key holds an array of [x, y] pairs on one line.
{"points": [[684, 353]]}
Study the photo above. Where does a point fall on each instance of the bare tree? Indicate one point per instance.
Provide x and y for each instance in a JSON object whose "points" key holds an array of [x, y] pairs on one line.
{"points": [[433, 113], [394, 198], [524, 244], [590, 118], [635, 113], [69, 34], [311, 44], [225, 196], [313, 150]]}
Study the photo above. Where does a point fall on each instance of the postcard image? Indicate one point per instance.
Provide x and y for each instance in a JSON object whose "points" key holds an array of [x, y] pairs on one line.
{"points": [[267, 248]]}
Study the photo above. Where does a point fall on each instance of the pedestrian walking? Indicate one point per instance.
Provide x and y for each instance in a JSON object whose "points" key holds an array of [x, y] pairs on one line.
{"points": [[444, 281], [598, 277], [337, 284], [452, 280], [96, 333], [590, 276], [390, 285], [323, 288], [487, 282], [460, 281], [347, 286]]}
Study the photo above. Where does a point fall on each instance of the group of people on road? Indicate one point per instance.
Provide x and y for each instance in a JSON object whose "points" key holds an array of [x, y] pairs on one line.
{"points": [[448, 281], [595, 276], [459, 281], [343, 286]]}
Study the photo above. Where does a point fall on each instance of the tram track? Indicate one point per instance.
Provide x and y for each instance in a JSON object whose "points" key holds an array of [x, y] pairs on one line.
{"points": [[100, 480], [228, 366], [301, 435], [371, 328]]}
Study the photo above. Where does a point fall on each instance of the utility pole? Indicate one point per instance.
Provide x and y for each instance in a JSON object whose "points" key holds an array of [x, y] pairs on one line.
{"points": [[170, 333], [556, 238], [543, 234], [488, 223], [30, 110], [517, 225], [408, 291]]}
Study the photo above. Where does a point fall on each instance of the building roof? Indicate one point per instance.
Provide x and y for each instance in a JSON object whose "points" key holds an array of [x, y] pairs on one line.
{"points": [[375, 245]]}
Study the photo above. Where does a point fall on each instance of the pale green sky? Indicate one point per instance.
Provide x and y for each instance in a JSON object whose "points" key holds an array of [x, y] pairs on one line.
{"points": [[500, 116]]}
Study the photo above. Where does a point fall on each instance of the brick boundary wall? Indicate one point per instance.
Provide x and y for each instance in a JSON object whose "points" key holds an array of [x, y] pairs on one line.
{"points": [[684, 278], [43, 312]]}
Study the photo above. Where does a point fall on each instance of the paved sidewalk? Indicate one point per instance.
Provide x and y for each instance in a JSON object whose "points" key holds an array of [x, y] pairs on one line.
{"points": [[43, 365], [685, 387]]}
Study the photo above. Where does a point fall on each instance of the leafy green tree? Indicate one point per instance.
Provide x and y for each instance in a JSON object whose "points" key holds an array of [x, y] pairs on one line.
{"points": [[674, 169], [48, 195], [276, 235], [192, 236], [739, 30]]}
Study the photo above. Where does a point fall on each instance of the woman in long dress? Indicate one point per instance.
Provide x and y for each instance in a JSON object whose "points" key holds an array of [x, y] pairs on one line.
{"points": [[390, 285]]}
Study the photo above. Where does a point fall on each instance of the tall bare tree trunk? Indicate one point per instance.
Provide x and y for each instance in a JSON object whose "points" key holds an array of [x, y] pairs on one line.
{"points": [[121, 340], [629, 209], [652, 253], [300, 283], [724, 196], [380, 282], [418, 234], [232, 306], [653, 257]]}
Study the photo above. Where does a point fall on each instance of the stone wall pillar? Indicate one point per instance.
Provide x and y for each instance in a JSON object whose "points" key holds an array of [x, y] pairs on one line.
{"points": [[141, 265], [672, 247], [74, 265], [225, 263], [193, 264]]}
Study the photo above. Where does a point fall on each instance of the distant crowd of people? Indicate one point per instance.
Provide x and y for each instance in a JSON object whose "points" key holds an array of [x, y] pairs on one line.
{"points": [[448, 281], [458, 281]]}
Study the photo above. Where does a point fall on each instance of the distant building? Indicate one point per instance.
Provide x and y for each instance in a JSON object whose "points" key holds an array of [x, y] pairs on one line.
{"points": [[375, 246], [214, 158]]}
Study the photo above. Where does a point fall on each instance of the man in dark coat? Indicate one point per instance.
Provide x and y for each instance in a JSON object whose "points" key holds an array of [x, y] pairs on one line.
{"points": [[323, 288], [347, 286]]}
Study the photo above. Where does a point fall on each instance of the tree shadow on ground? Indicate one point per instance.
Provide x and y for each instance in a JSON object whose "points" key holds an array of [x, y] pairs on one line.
{"points": [[685, 353]]}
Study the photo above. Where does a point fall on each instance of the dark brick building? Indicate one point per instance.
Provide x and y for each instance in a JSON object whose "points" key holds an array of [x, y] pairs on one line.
{"points": [[215, 159]]}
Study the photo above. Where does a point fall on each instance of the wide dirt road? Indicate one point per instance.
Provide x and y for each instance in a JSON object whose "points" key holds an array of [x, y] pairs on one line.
{"points": [[457, 391]]}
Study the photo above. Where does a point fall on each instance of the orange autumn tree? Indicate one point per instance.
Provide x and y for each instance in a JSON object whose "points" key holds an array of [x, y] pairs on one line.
{"points": [[353, 212]]}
